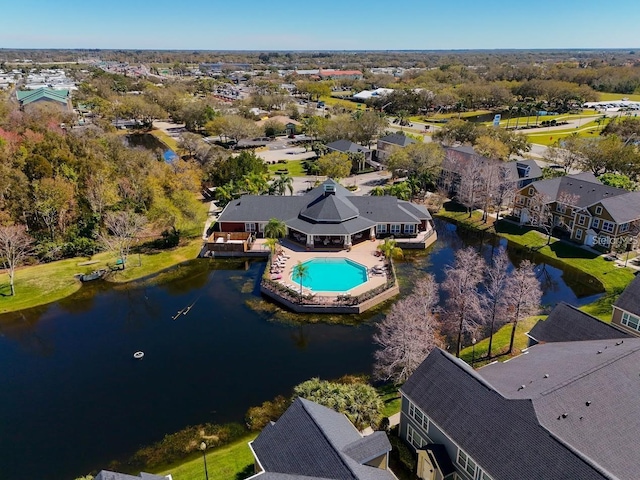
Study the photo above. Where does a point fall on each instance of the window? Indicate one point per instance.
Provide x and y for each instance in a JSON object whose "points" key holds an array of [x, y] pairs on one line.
{"points": [[420, 418], [395, 228], [531, 191], [381, 228], [598, 210], [631, 321], [624, 227], [249, 227], [581, 219], [596, 223], [414, 437], [520, 200], [560, 208], [578, 234], [607, 226], [410, 228], [466, 463], [261, 227]]}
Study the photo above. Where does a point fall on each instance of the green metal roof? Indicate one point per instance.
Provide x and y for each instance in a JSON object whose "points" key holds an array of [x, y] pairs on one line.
{"points": [[28, 96]]}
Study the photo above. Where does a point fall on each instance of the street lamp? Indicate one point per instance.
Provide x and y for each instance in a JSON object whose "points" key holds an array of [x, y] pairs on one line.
{"points": [[203, 447], [473, 351]]}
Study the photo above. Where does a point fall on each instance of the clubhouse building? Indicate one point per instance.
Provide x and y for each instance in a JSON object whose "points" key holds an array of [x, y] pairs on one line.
{"points": [[330, 217]]}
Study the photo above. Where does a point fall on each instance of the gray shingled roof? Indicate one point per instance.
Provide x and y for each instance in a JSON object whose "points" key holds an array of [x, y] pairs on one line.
{"points": [[587, 394], [453, 154], [502, 435], [107, 475], [623, 208], [586, 189], [311, 440], [398, 139], [629, 300], [566, 323], [316, 213], [330, 209], [348, 227], [386, 209], [346, 146]]}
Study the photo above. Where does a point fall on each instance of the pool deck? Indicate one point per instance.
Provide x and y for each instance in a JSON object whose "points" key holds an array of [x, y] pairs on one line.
{"points": [[363, 253]]}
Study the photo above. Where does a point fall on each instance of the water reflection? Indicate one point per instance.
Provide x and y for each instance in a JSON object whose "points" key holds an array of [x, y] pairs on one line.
{"points": [[73, 398]]}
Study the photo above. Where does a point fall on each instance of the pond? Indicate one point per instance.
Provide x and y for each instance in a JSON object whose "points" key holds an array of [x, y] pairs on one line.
{"points": [[149, 142], [73, 398]]}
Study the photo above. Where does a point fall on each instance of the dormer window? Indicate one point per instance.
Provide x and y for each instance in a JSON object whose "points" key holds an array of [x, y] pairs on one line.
{"points": [[598, 210]]}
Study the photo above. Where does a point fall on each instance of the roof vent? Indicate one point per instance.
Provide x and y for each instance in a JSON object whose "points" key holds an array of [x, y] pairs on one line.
{"points": [[599, 352], [619, 343], [329, 189], [521, 387], [546, 375], [565, 415], [587, 403]]}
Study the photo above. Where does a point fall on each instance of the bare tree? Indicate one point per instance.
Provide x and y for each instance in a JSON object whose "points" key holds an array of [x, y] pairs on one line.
{"points": [[463, 309], [540, 214], [15, 246], [122, 229], [493, 300], [503, 189], [470, 183], [407, 334], [522, 295]]}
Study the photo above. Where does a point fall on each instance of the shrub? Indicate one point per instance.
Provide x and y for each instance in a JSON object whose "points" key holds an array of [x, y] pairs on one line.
{"points": [[258, 417], [176, 446]]}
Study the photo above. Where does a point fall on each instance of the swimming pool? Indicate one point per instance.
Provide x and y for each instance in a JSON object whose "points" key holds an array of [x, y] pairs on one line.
{"points": [[332, 275]]}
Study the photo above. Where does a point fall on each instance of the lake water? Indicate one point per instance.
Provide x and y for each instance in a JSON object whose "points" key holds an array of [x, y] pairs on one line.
{"points": [[73, 398], [149, 142]]}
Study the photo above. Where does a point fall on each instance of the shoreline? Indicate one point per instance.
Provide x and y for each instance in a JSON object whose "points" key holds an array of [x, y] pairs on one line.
{"points": [[33, 283]]}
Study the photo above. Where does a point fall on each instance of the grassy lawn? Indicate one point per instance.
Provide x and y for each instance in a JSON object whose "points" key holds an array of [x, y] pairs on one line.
{"points": [[590, 129], [613, 279], [391, 398], [295, 168], [348, 104], [231, 462], [166, 139], [442, 116], [500, 345], [49, 282], [619, 96]]}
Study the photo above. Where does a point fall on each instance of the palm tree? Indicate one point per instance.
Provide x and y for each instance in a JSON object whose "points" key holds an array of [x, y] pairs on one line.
{"points": [[301, 272], [282, 183], [390, 250], [271, 243], [275, 228]]}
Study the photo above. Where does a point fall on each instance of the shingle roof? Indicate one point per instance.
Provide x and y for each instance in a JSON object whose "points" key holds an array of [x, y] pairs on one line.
{"points": [[623, 208], [311, 440], [330, 209], [566, 323], [107, 475], [502, 435], [520, 169], [398, 139], [629, 300], [586, 189], [316, 213], [587, 394], [347, 146]]}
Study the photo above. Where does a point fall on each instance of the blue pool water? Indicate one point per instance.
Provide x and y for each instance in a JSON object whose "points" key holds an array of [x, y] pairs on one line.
{"points": [[332, 275]]}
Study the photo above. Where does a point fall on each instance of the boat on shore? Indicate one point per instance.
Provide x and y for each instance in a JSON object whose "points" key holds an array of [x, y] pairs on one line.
{"points": [[95, 275]]}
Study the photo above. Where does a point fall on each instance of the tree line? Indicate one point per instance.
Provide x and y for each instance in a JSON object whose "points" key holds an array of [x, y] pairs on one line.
{"points": [[479, 299]]}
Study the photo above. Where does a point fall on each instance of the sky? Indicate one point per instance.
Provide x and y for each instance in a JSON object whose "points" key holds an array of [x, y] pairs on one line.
{"points": [[319, 25]]}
